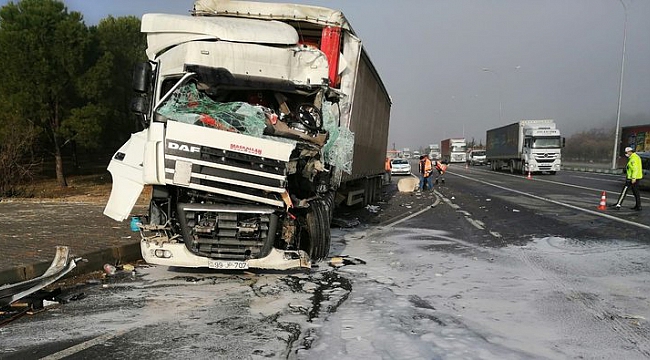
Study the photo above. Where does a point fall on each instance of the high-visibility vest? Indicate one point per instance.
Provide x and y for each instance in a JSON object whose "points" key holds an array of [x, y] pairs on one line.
{"points": [[441, 167], [387, 165], [425, 167]]}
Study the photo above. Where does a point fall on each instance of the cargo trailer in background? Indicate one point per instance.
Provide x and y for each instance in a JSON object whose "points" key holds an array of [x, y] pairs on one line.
{"points": [[525, 146], [453, 150]]}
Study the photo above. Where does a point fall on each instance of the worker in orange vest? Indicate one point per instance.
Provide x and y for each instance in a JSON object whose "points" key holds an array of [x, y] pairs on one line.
{"points": [[441, 167], [388, 168], [426, 169]]}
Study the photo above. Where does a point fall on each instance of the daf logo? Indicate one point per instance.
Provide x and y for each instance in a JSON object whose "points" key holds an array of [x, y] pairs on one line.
{"points": [[183, 147]]}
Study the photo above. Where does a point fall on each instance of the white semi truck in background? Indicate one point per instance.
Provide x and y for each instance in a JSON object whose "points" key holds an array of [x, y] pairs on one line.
{"points": [[453, 150], [434, 152], [525, 146], [259, 118]]}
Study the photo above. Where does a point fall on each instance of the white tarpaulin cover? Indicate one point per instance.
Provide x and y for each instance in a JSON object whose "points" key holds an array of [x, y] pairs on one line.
{"points": [[278, 11], [165, 30]]}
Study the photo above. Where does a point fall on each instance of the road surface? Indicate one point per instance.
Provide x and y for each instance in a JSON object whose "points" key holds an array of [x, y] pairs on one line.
{"points": [[499, 267]]}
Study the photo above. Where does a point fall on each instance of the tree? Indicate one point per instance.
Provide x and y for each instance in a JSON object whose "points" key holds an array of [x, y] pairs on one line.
{"points": [[117, 45], [42, 48], [17, 161], [590, 145]]}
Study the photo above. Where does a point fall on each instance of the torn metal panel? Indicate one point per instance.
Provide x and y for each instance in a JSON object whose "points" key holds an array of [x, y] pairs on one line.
{"points": [[60, 266]]}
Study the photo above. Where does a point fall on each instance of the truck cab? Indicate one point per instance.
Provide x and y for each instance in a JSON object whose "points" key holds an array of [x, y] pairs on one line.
{"points": [[249, 112], [542, 149]]}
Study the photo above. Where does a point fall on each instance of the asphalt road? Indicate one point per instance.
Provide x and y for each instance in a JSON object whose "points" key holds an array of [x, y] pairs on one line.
{"points": [[499, 267]]}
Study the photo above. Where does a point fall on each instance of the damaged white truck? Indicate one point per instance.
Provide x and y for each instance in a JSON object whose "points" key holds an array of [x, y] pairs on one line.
{"points": [[259, 118]]}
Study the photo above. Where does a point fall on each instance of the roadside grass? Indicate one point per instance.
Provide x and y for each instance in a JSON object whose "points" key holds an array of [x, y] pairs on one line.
{"points": [[91, 188]]}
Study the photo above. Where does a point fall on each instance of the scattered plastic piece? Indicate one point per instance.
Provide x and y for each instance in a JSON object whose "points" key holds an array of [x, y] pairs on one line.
{"points": [[109, 269]]}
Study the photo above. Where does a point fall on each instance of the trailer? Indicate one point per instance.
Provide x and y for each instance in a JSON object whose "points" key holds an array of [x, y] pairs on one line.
{"points": [[637, 137], [525, 146], [259, 119]]}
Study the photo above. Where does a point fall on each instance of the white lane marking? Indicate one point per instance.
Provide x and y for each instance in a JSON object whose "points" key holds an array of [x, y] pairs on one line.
{"points": [[435, 203], [468, 216], [592, 212], [553, 182], [84, 345], [475, 223], [495, 234]]}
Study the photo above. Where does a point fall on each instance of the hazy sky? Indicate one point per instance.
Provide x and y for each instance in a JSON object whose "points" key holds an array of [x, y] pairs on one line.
{"points": [[558, 59]]}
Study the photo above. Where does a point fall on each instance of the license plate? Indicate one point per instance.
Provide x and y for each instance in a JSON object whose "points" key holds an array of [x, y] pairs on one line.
{"points": [[227, 265]]}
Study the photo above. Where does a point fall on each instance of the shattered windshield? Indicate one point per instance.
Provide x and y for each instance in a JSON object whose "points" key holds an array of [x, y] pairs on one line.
{"points": [[265, 114]]}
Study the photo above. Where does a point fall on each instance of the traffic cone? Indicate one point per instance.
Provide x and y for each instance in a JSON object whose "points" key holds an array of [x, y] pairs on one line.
{"points": [[529, 177], [603, 202]]}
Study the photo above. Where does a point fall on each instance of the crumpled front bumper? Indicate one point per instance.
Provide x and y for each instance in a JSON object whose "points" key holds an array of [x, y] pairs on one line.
{"points": [[176, 254]]}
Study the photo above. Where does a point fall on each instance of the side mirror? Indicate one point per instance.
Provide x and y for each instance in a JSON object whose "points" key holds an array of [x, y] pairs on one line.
{"points": [[140, 105], [142, 77], [563, 142]]}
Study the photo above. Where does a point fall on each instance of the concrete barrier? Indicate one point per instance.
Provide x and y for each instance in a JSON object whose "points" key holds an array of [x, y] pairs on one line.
{"points": [[408, 184]]}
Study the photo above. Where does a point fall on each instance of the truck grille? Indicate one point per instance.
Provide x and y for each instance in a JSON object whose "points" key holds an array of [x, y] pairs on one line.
{"points": [[226, 232], [247, 177]]}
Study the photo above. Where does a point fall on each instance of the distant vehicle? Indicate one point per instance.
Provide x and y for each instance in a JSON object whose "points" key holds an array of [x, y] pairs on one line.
{"points": [[400, 167], [637, 137], [453, 150], [416, 154], [477, 157], [434, 152], [525, 146], [406, 153]]}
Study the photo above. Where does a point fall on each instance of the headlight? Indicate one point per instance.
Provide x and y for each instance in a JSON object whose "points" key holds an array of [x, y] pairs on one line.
{"points": [[165, 254]]}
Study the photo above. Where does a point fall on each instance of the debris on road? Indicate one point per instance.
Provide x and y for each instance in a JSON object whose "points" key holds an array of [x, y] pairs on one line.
{"points": [[343, 260], [109, 269], [345, 223], [60, 266], [128, 267], [373, 208]]}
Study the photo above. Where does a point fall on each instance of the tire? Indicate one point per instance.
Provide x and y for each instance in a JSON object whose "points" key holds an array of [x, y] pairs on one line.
{"points": [[553, 172], [318, 231], [523, 168], [328, 203], [512, 166]]}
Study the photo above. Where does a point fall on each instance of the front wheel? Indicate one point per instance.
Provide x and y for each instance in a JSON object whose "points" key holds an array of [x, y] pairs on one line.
{"points": [[318, 231]]}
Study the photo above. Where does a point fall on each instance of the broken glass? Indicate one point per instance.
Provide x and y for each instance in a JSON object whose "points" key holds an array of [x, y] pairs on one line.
{"points": [[339, 149], [188, 105]]}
